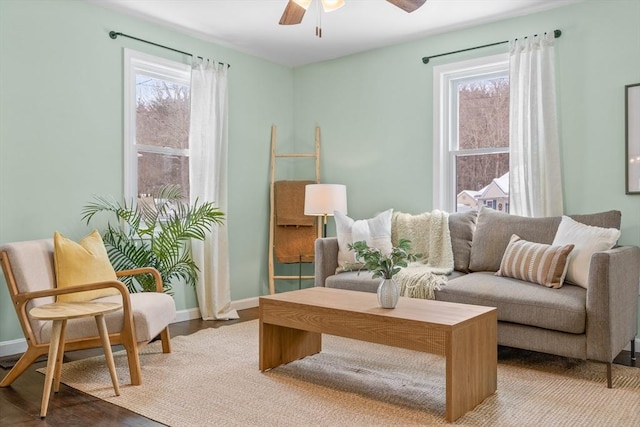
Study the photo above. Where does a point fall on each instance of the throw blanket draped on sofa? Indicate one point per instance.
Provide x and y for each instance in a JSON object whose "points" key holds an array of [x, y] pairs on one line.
{"points": [[429, 236]]}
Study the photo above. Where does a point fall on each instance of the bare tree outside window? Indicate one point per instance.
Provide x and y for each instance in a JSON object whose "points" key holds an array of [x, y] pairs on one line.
{"points": [[482, 156], [475, 172], [162, 134]]}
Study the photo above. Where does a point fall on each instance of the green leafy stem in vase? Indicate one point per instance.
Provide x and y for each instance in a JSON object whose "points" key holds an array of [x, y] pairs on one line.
{"points": [[380, 264]]}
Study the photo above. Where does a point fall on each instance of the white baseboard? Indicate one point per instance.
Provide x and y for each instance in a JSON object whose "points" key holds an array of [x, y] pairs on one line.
{"points": [[243, 304], [9, 348], [189, 314], [194, 313]]}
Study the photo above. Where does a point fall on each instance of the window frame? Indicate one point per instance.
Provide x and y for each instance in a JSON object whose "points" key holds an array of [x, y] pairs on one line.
{"points": [[445, 129], [156, 67]]}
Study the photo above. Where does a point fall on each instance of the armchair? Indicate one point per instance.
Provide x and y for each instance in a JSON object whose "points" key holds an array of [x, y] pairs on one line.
{"points": [[29, 272]]}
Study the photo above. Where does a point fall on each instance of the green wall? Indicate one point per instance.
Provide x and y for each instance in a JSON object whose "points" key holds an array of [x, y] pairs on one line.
{"points": [[61, 126], [376, 108], [61, 121]]}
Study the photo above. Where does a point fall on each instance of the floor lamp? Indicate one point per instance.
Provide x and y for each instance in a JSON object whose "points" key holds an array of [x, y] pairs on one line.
{"points": [[323, 199]]}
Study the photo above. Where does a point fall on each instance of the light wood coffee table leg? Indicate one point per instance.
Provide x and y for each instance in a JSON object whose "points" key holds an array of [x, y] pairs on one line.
{"points": [[106, 345], [472, 365], [279, 345]]}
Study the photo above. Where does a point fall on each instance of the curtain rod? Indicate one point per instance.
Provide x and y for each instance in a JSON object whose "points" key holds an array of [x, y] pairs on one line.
{"points": [[425, 60], [114, 35]]}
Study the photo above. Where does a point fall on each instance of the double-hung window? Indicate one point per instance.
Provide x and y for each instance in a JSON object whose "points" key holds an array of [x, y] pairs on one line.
{"points": [[156, 137], [471, 134]]}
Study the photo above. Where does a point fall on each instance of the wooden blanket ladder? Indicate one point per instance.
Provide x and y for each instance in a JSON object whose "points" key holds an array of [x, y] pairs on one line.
{"points": [[272, 220]]}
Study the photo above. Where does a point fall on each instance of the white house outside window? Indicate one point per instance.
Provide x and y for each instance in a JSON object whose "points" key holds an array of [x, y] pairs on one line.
{"points": [[471, 134], [156, 138]]}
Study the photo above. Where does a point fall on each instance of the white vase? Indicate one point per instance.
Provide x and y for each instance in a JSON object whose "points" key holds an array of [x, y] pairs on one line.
{"points": [[388, 293]]}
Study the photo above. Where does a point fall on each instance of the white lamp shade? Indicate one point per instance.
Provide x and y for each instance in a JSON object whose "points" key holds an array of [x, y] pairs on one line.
{"points": [[324, 199]]}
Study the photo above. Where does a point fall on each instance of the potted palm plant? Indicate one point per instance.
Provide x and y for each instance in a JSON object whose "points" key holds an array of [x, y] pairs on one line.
{"points": [[385, 266], [155, 233]]}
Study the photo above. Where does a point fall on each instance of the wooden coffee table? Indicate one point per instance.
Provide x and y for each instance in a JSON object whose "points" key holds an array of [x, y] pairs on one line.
{"points": [[292, 324]]}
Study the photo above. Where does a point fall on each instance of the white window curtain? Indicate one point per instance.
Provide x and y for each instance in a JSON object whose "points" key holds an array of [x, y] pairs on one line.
{"points": [[208, 182], [535, 187]]}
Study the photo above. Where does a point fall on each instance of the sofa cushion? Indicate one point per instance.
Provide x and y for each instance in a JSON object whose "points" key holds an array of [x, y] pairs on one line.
{"points": [[353, 281], [461, 227], [608, 219], [151, 311], [587, 240], [494, 229], [535, 262], [521, 302], [362, 281]]}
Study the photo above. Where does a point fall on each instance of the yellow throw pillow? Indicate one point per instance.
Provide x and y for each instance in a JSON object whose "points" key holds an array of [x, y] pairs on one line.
{"points": [[80, 264]]}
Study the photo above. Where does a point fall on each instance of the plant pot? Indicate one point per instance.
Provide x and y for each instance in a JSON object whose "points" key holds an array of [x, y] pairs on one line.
{"points": [[388, 293]]}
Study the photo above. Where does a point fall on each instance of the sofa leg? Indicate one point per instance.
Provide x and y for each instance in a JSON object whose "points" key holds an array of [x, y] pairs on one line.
{"points": [[633, 350], [609, 385]]}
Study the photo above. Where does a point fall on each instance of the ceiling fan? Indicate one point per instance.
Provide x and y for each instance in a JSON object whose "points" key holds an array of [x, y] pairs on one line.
{"points": [[295, 9]]}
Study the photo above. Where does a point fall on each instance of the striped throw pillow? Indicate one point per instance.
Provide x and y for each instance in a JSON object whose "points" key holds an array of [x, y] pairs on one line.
{"points": [[535, 262]]}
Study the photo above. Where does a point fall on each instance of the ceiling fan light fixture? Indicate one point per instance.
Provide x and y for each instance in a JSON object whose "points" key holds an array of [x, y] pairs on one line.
{"points": [[303, 3], [331, 5]]}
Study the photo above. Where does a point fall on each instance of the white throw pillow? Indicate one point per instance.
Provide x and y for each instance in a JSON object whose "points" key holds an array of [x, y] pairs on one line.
{"points": [[375, 231], [587, 240]]}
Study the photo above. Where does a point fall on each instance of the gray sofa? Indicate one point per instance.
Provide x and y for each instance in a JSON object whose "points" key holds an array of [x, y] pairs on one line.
{"points": [[594, 323]]}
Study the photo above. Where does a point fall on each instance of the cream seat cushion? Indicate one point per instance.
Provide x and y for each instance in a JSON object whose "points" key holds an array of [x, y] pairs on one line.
{"points": [[152, 312]]}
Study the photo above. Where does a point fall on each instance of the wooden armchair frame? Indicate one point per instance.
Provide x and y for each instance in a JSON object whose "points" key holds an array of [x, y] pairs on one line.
{"points": [[126, 337]]}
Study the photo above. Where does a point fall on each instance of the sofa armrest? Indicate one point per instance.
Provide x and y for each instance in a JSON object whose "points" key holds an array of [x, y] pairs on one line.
{"points": [[326, 259], [612, 301]]}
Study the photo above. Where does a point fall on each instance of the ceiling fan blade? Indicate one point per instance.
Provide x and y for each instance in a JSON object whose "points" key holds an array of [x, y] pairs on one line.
{"points": [[292, 14], [407, 5]]}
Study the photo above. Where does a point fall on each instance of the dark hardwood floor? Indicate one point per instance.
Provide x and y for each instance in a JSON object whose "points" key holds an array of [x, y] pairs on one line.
{"points": [[20, 403]]}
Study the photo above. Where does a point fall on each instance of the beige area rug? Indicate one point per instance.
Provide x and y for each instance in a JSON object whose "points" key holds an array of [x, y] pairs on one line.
{"points": [[212, 379]]}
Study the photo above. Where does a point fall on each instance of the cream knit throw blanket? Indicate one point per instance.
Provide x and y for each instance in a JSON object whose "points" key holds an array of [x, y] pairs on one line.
{"points": [[429, 235]]}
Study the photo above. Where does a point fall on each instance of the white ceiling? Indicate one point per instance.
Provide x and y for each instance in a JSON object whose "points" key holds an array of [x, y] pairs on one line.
{"points": [[251, 26]]}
